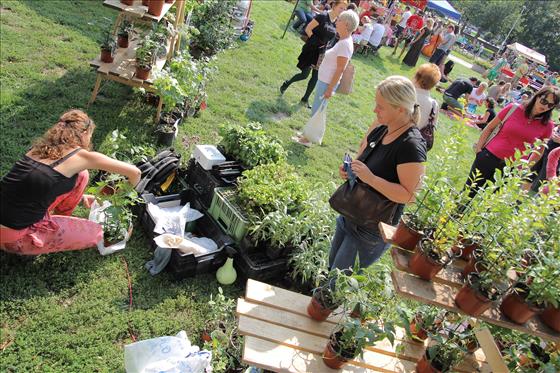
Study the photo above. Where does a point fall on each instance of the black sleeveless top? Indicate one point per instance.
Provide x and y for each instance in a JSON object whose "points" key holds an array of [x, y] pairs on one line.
{"points": [[28, 190]]}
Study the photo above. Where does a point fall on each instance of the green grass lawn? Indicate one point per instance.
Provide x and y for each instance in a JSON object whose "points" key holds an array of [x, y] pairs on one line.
{"points": [[68, 312]]}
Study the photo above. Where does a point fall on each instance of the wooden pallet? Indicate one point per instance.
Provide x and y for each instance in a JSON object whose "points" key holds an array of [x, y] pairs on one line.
{"points": [[137, 9], [442, 290], [280, 336]]}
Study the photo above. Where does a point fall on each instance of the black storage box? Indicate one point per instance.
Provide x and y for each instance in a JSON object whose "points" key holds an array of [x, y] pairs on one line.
{"points": [[182, 266], [255, 264]]}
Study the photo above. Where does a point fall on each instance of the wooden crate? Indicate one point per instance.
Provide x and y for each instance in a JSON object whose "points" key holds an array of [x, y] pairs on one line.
{"points": [[280, 336]]}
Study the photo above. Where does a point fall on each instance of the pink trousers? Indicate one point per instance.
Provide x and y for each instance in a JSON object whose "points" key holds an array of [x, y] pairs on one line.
{"points": [[60, 232]]}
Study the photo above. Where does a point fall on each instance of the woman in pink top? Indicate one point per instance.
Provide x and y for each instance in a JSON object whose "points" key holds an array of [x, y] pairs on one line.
{"points": [[526, 124]]}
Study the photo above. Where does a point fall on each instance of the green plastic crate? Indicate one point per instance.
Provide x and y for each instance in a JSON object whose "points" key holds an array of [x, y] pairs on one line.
{"points": [[227, 214]]}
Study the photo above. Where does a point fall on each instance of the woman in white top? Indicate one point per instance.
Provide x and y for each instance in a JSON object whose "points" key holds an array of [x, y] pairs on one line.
{"points": [[477, 97], [332, 67], [426, 78]]}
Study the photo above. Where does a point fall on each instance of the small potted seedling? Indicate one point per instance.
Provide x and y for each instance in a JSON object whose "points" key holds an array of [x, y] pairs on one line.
{"points": [[123, 35], [424, 320], [145, 58], [108, 46], [441, 355]]}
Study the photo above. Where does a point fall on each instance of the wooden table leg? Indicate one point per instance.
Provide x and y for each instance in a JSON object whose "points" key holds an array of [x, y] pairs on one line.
{"points": [[159, 106], [95, 90], [118, 21]]}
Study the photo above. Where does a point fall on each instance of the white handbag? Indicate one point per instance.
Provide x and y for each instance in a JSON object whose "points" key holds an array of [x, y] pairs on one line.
{"points": [[315, 128]]}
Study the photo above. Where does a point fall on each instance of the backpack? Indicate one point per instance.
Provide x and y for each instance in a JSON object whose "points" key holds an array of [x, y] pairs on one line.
{"points": [[158, 172]]}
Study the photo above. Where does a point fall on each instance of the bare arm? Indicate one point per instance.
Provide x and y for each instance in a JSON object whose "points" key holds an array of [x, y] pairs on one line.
{"points": [[420, 34], [486, 132], [98, 161], [340, 66], [410, 176], [310, 26], [484, 119]]}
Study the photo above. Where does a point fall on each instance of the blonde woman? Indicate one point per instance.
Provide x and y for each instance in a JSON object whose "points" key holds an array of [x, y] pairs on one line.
{"points": [[334, 63], [394, 168]]}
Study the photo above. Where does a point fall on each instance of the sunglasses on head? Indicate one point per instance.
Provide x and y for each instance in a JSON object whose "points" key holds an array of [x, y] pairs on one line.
{"points": [[546, 103]]}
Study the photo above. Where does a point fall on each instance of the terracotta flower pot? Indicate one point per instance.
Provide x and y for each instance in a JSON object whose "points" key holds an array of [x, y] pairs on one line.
{"points": [[424, 366], [122, 41], [465, 247], [142, 74], [169, 1], [331, 358], [418, 331], [316, 310], [515, 308], [205, 336], [551, 317], [422, 265], [406, 237], [471, 301], [127, 2], [106, 56], [155, 7], [475, 264], [145, 2]]}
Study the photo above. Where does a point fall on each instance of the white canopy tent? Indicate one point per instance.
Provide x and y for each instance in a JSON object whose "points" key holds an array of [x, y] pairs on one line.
{"points": [[528, 53]]}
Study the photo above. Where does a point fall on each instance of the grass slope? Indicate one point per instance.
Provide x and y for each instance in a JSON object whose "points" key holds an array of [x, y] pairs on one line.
{"points": [[68, 312]]}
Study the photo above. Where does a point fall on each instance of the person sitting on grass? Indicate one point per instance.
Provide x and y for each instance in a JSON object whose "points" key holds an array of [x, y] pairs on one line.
{"points": [[476, 98], [457, 89], [51, 178], [494, 90], [490, 113]]}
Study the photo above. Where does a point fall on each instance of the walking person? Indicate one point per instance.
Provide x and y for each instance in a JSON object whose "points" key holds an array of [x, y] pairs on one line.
{"points": [[393, 167], [51, 179], [525, 124], [401, 27], [334, 63], [448, 39], [417, 44], [413, 25], [322, 35]]}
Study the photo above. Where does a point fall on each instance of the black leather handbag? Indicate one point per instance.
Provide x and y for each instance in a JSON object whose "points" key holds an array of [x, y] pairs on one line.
{"points": [[360, 203]]}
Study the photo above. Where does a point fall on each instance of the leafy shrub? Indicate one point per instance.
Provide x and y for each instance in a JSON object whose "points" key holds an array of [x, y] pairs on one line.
{"points": [[213, 21], [251, 144], [270, 187]]}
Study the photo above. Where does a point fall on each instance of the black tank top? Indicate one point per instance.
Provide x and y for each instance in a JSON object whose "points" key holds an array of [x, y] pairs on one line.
{"points": [[28, 190]]}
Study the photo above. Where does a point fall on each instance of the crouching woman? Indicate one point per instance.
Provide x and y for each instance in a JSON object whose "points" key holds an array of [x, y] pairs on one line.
{"points": [[51, 179]]}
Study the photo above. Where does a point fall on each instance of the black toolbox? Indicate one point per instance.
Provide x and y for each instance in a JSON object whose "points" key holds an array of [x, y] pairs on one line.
{"points": [[181, 266], [203, 182]]}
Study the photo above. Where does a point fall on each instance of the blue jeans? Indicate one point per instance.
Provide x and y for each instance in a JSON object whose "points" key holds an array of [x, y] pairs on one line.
{"points": [[320, 90], [350, 241], [302, 18]]}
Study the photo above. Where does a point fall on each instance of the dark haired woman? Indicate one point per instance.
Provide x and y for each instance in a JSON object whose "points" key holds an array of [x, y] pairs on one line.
{"points": [[488, 115], [51, 178], [525, 124], [417, 44], [322, 35]]}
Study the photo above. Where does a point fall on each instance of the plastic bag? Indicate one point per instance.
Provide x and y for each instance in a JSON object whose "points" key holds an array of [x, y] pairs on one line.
{"points": [[186, 245], [166, 355], [315, 128], [172, 219], [97, 215]]}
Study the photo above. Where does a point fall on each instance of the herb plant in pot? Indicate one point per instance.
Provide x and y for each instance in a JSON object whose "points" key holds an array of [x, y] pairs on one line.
{"points": [[422, 321], [145, 57], [519, 304], [125, 29], [350, 339], [477, 295], [107, 47], [167, 129], [440, 356], [428, 259]]}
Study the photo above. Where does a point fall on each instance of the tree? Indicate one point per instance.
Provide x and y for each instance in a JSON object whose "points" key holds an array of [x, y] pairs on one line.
{"points": [[540, 29]]}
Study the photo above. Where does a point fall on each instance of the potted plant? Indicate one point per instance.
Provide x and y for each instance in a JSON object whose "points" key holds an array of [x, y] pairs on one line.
{"points": [[125, 28], [155, 7], [323, 302], [127, 2], [477, 295], [476, 263], [519, 304], [424, 320], [107, 47], [145, 2], [145, 58], [351, 337], [441, 355], [167, 130]]}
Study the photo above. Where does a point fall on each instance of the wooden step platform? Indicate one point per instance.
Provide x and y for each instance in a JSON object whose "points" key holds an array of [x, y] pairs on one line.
{"points": [[137, 9], [280, 336], [442, 290]]}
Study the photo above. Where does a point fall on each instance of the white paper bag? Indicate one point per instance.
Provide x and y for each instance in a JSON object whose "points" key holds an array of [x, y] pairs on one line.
{"points": [[97, 215]]}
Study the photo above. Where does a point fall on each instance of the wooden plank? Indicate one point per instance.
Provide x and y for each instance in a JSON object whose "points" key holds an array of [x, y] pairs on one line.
{"points": [[315, 345], [450, 275], [137, 9], [488, 345], [282, 299], [387, 232], [442, 295], [407, 349], [278, 358]]}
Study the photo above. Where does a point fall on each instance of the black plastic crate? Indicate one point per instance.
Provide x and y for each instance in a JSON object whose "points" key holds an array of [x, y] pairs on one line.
{"points": [[203, 182], [182, 266], [257, 265]]}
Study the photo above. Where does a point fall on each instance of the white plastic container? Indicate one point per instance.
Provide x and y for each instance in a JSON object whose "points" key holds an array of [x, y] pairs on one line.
{"points": [[208, 156]]}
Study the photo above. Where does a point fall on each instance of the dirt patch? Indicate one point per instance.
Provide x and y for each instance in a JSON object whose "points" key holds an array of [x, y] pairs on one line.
{"points": [[56, 71], [277, 117], [5, 10], [190, 140]]}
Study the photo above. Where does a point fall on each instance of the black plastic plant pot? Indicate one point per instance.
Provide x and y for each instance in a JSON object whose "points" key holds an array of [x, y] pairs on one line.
{"points": [[166, 138]]}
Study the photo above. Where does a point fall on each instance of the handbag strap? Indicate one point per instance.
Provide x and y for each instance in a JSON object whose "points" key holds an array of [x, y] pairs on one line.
{"points": [[374, 138], [432, 117], [502, 122]]}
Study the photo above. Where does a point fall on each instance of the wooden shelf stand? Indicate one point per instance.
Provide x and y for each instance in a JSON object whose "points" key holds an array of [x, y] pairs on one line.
{"points": [[280, 336]]}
